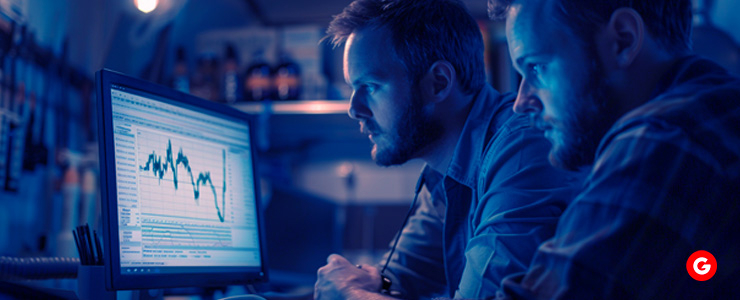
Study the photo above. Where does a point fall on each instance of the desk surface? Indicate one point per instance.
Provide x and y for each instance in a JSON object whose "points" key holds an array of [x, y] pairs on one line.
{"points": [[22, 290], [28, 290]]}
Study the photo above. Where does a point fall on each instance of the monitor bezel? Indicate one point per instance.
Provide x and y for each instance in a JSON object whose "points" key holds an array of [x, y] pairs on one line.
{"points": [[114, 280]]}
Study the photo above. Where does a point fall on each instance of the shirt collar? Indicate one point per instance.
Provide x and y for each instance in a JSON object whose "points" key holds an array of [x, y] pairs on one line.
{"points": [[680, 78], [464, 164], [683, 69]]}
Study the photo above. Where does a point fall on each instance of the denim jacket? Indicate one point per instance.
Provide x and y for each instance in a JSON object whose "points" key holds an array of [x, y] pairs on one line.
{"points": [[484, 218]]}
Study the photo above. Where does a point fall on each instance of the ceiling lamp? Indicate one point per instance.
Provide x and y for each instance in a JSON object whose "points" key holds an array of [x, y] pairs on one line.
{"points": [[146, 6]]}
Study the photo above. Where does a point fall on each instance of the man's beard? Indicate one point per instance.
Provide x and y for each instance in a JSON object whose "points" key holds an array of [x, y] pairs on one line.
{"points": [[593, 112], [411, 132]]}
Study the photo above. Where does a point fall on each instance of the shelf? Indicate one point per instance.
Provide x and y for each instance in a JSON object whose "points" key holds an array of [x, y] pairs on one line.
{"points": [[296, 107], [296, 124]]}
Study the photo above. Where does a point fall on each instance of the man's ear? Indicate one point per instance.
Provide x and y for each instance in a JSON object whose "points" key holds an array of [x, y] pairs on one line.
{"points": [[438, 82], [622, 39]]}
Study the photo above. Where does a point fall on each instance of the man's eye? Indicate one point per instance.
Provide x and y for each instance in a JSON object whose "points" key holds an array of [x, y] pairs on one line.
{"points": [[537, 69], [369, 88]]}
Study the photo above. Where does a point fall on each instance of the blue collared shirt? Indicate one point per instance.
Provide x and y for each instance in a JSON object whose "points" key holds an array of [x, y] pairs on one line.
{"points": [[665, 184], [499, 199]]}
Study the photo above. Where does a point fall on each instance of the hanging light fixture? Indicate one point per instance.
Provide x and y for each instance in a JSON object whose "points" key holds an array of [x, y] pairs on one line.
{"points": [[146, 6]]}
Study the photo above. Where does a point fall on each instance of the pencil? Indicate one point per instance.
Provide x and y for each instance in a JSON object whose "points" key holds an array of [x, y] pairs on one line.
{"points": [[99, 249], [90, 244], [83, 246], [77, 243]]}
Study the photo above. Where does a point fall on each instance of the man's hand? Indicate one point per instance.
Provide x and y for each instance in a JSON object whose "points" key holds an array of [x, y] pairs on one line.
{"points": [[339, 278]]}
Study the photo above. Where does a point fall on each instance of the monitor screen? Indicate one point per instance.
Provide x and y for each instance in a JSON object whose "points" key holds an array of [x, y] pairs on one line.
{"points": [[180, 204]]}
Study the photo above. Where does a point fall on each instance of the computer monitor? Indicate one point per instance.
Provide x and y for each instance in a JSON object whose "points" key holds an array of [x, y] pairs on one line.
{"points": [[178, 187]]}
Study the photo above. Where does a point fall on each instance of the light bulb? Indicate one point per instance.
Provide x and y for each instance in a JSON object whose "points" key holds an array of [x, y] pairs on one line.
{"points": [[146, 6]]}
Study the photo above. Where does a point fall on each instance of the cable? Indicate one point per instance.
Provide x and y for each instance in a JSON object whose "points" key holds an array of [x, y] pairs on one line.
{"points": [[386, 282], [17, 268]]}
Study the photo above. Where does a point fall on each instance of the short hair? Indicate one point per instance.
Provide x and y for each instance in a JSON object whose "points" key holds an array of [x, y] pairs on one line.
{"points": [[668, 21], [422, 32]]}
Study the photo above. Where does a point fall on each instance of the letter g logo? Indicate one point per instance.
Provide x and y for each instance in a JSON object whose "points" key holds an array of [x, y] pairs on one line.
{"points": [[704, 269], [701, 265]]}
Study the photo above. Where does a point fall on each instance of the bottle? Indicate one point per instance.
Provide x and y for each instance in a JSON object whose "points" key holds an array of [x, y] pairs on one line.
{"points": [[205, 80], [230, 79], [257, 80], [88, 213], [180, 76], [287, 79], [70, 206]]}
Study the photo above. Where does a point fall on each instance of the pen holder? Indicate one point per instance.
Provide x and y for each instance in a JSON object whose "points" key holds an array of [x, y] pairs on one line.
{"points": [[91, 283]]}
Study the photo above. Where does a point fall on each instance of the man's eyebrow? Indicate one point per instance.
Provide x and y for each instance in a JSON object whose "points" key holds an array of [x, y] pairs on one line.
{"points": [[367, 76], [528, 56], [520, 60]]}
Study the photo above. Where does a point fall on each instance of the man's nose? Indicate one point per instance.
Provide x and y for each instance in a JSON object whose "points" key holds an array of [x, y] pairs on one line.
{"points": [[358, 107], [527, 101]]}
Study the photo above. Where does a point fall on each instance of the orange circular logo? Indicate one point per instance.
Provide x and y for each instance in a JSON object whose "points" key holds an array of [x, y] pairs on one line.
{"points": [[701, 265]]}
